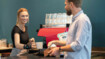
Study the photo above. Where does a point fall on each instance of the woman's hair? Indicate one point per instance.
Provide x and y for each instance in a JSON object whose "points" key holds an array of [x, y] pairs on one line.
{"points": [[18, 13]]}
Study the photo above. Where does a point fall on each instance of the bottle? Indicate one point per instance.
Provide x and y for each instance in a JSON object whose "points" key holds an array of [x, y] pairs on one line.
{"points": [[44, 43], [67, 27]]}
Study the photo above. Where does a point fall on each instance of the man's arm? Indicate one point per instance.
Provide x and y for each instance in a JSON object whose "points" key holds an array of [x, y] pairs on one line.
{"points": [[57, 42], [80, 37], [66, 48]]}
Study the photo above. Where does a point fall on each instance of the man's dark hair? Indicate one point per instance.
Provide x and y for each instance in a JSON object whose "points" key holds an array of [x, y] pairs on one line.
{"points": [[78, 3]]}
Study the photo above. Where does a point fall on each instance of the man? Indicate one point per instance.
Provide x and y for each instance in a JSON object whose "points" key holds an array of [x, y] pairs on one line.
{"points": [[79, 38]]}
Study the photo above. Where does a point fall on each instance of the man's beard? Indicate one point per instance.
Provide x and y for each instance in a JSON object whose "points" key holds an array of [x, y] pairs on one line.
{"points": [[68, 13]]}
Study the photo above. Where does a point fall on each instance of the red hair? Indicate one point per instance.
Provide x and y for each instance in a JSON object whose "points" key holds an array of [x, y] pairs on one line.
{"points": [[18, 13]]}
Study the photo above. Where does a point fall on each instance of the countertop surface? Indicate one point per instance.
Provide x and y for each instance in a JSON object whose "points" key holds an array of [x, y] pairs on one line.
{"points": [[30, 56]]}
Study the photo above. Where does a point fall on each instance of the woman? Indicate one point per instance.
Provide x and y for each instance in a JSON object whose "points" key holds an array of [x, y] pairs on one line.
{"points": [[20, 38]]}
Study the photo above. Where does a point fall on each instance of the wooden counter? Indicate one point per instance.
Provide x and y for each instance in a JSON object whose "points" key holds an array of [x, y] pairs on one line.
{"points": [[2, 50], [30, 56], [97, 53]]}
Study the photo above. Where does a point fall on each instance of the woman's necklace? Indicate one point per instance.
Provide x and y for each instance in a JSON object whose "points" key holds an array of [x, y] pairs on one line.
{"points": [[22, 28]]}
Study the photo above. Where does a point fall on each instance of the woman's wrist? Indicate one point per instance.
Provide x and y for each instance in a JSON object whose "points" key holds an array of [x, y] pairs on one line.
{"points": [[27, 46]]}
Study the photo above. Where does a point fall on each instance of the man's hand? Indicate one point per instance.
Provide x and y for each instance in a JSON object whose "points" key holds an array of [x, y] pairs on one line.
{"points": [[54, 52], [57, 42], [50, 43]]}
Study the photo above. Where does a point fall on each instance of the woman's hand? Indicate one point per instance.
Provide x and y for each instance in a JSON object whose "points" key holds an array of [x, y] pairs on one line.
{"points": [[32, 40], [32, 43]]}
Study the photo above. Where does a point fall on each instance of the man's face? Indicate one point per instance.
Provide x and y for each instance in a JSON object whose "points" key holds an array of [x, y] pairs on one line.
{"points": [[67, 7]]}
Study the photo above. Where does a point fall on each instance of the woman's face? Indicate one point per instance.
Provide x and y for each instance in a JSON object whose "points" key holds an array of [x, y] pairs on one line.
{"points": [[24, 17]]}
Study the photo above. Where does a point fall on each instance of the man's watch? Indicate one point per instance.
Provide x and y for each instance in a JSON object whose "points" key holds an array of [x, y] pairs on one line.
{"points": [[59, 48]]}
